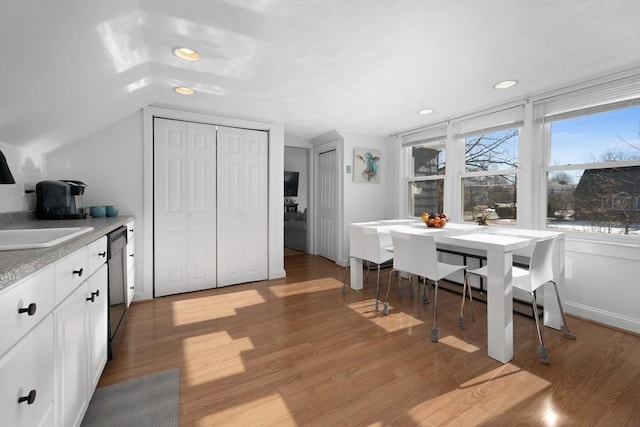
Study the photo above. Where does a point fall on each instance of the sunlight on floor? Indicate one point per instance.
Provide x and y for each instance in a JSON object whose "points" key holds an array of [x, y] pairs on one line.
{"points": [[252, 413], [310, 286], [217, 306], [201, 365], [458, 344], [395, 321], [486, 400]]}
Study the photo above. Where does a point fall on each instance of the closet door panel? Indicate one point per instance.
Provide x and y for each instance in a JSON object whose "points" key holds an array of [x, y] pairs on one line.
{"points": [[170, 207], [201, 212], [242, 206]]}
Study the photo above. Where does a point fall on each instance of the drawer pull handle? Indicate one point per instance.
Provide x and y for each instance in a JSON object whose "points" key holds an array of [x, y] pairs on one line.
{"points": [[102, 254], [131, 255], [93, 296], [30, 310], [132, 287], [131, 230], [78, 272], [30, 398]]}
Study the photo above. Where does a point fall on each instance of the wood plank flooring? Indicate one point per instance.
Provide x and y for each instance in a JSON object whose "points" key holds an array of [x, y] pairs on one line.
{"points": [[295, 351]]}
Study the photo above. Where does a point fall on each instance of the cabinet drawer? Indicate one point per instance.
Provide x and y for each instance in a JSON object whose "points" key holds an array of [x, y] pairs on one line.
{"points": [[131, 256], [70, 272], [24, 305], [130, 230], [97, 252], [27, 368]]}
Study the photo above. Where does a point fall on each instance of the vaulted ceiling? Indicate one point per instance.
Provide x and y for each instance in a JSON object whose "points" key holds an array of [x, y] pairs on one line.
{"points": [[69, 68]]}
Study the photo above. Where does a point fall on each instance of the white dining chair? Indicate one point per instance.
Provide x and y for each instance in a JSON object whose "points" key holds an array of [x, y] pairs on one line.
{"points": [[369, 245], [416, 254], [539, 273]]}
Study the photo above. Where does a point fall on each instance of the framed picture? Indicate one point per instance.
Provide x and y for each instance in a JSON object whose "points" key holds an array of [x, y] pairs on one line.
{"points": [[366, 165]]}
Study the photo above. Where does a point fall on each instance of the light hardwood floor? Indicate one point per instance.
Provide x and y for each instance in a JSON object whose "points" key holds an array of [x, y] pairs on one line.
{"points": [[296, 351]]}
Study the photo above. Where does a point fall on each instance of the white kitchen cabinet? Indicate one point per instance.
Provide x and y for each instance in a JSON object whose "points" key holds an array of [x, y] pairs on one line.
{"points": [[54, 343], [70, 272], [71, 357], [26, 379], [80, 347], [24, 305], [131, 262], [97, 324]]}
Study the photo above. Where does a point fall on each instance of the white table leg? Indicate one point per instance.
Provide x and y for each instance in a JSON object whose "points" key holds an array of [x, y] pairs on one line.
{"points": [[499, 305], [355, 265]]}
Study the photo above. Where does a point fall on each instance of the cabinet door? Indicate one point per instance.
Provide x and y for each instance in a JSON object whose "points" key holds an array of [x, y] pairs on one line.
{"points": [[71, 356], [25, 369], [97, 255], [70, 272], [97, 326], [23, 305], [242, 205], [131, 270]]}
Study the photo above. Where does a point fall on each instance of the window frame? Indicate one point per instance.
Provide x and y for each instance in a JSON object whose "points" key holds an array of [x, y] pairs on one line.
{"points": [[409, 177], [547, 167]]}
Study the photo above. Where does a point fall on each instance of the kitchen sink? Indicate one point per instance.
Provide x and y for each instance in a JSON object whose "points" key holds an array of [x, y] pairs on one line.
{"points": [[38, 237]]}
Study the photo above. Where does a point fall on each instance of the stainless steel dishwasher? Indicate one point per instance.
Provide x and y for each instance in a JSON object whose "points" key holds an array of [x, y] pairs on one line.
{"points": [[117, 267]]}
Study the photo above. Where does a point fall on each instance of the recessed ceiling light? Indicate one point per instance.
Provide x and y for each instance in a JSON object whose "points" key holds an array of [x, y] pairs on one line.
{"points": [[505, 84], [426, 111], [182, 90], [186, 53]]}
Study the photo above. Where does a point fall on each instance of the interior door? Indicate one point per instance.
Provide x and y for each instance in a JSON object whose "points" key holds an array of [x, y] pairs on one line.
{"points": [[184, 206], [242, 205], [327, 194]]}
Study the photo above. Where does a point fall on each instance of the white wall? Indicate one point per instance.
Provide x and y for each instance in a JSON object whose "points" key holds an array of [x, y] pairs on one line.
{"points": [[366, 201], [27, 168], [602, 281], [110, 163]]}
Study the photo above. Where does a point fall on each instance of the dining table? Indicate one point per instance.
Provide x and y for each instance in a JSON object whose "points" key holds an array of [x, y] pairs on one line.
{"points": [[498, 244]]}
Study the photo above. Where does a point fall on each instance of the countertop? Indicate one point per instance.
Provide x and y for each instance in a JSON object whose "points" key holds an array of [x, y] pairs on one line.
{"points": [[18, 264]]}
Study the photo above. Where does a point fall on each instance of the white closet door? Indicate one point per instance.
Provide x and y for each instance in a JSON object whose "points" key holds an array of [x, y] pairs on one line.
{"points": [[242, 205], [184, 207], [327, 205], [201, 206]]}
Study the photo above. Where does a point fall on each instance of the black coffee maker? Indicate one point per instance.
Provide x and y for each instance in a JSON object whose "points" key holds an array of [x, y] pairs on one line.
{"points": [[57, 199]]}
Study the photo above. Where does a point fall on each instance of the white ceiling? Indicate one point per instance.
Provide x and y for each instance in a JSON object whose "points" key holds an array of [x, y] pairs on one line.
{"points": [[70, 68]]}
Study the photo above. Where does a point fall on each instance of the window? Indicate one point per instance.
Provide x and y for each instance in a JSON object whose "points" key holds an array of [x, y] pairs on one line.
{"points": [[489, 181], [593, 181], [426, 181]]}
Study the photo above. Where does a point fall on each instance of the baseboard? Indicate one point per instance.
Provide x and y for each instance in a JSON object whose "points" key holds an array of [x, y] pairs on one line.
{"points": [[604, 317]]}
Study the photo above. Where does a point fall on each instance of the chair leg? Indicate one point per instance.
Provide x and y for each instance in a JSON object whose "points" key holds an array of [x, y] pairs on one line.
{"points": [[385, 310], [425, 296], [434, 331], [565, 328], [466, 287], [366, 277], [543, 353], [378, 290]]}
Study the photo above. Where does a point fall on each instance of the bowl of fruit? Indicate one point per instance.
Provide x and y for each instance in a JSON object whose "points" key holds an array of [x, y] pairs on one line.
{"points": [[437, 220]]}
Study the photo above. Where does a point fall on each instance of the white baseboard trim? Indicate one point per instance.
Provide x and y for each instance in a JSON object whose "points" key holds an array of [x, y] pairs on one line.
{"points": [[279, 274], [603, 316]]}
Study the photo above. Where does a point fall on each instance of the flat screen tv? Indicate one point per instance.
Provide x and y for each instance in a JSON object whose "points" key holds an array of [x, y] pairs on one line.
{"points": [[291, 183]]}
